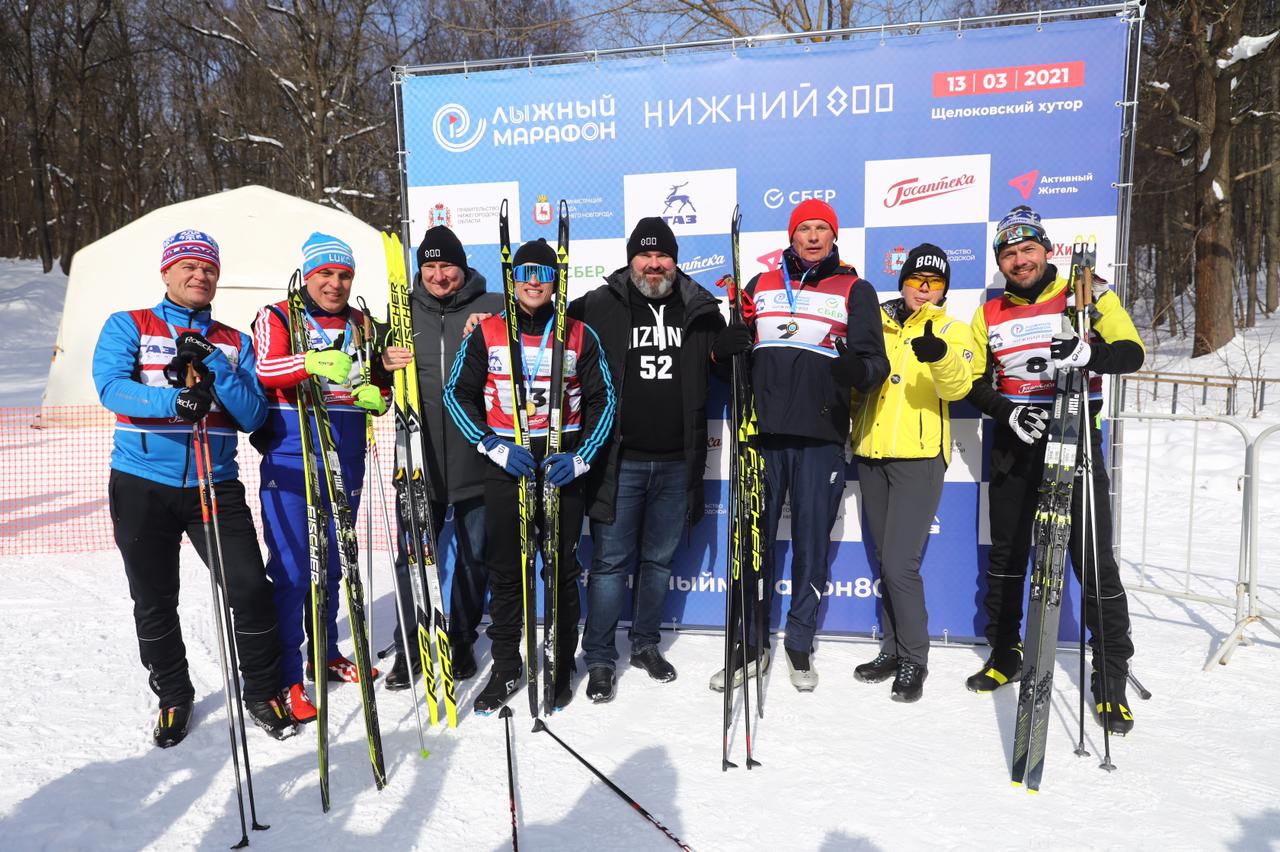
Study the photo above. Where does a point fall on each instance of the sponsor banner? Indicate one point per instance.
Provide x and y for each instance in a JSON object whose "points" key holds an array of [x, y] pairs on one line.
{"points": [[691, 202], [930, 138], [887, 250], [926, 190], [469, 210]]}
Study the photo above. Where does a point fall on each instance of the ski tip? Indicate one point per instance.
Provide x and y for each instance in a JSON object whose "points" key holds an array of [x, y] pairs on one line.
{"points": [[1033, 791], [1016, 783], [505, 712]]}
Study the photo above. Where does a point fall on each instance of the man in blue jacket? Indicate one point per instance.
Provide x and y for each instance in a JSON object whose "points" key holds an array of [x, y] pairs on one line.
{"points": [[139, 365]]}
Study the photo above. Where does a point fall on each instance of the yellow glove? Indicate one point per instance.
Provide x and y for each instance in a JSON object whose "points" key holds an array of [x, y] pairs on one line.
{"points": [[331, 364], [369, 397]]}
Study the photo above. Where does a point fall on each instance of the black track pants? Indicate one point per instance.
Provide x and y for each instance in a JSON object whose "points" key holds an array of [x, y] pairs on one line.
{"points": [[149, 519], [1016, 470], [502, 553]]}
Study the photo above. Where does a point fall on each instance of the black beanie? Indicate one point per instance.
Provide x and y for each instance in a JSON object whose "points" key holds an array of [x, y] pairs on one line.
{"points": [[441, 244], [926, 257], [536, 251], [652, 234]]}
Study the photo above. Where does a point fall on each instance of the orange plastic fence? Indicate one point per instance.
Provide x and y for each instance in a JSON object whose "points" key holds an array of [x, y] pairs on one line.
{"points": [[54, 464]]}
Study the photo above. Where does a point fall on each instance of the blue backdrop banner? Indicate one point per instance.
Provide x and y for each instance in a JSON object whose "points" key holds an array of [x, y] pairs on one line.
{"points": [[929, 137]]}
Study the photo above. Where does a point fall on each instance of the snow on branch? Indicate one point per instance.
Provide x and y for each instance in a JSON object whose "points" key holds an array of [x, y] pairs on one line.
{"points": [[1247, 48], [362, 131], [254, 139]]}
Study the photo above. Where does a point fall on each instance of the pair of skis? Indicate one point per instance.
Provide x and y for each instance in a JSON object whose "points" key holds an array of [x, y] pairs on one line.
{"points": [[525, 402], [1051, 534], [744, 591], [413, 509], [312, 409]]}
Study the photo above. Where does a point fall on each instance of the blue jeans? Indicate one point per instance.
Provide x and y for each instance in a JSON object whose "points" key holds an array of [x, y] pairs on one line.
{"points": [[470, 575], [648, 517]]}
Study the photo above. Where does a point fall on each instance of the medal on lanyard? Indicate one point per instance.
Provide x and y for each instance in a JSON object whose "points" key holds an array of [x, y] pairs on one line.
{"points": [[531, 407], [792, 326]]}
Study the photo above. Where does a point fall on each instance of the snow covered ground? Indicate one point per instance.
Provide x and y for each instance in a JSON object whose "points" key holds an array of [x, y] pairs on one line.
{"points": [[30, 302], [844, 768]]}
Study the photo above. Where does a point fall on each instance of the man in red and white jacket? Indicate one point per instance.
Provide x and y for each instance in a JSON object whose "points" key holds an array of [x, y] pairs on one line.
{"points": [[328, 272]]}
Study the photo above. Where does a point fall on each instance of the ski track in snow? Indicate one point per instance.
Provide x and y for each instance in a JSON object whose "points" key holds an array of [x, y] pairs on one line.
{"points": [[844, 768]]}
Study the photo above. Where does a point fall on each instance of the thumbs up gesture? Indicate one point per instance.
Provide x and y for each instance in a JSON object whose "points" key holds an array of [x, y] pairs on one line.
{"points": [[928, 347]]}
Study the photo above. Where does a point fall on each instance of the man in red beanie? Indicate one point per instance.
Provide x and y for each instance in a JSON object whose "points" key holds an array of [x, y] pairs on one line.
{"points": [[817, 334]]}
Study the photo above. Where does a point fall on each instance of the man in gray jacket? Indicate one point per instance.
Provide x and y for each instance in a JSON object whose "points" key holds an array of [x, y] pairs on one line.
{"points": [[446, 292]]}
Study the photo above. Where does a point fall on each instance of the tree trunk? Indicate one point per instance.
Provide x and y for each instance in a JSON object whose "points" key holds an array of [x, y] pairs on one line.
{"points": [[1273, 209], [35, 140]]}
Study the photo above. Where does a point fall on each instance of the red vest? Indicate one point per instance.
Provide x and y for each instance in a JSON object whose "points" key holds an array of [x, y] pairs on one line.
{"points": [[156, 348], [1019, 336], [820, 316], [497, 389]]}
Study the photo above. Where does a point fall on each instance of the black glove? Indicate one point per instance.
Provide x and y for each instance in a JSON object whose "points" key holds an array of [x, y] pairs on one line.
{"points": [[847, 368], [194, 345], [193, 403], [732, 340], [928, 348]]}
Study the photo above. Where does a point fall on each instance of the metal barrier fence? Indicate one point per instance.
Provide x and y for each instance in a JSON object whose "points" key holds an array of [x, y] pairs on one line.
{"points": [[1193, 393], [1196, 580], [55, 463]]}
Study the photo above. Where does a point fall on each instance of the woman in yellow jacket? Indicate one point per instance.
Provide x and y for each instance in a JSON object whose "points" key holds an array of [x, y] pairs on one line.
{"points": [[901, 438]]}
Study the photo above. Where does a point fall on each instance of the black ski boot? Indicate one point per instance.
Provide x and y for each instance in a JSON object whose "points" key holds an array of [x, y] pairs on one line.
{"points": [[398, 678], [908, 684], [1119, 718], [1003, 666], [272, 716], [464, 663], [498, 691], [601, 684], [173, 724], [883, 667], [564, 686]]}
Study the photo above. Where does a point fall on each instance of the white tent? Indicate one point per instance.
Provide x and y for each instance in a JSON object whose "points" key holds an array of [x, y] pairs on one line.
{"points": [[260, 234]]}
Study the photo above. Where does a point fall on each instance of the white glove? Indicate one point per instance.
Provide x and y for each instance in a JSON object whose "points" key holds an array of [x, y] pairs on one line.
{"points": [[1029, 423]]}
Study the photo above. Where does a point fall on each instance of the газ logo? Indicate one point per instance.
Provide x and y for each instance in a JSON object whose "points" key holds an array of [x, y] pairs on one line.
{"points": [[682, 203], [542, 211], [451, 125], [911, 190]]}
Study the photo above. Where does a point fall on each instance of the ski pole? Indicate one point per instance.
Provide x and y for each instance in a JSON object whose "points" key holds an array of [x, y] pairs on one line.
{"points": [[505, 713], [539, 725], [222, 618]]}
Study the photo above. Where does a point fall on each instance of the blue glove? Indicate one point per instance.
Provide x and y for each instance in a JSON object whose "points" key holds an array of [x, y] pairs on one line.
{"points": [[563, 468], [509, 456]]}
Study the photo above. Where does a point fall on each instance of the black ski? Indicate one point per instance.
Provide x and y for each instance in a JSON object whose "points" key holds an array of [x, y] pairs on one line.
{"points": [[550, 493], [1051, 533], [526, 487]]}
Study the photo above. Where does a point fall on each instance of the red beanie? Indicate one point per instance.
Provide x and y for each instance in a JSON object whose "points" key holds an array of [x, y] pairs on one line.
{"points": [[812, 208]]}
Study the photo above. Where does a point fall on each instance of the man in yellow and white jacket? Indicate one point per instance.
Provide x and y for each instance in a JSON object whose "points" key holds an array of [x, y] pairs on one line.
{"points": [[901, 439]]}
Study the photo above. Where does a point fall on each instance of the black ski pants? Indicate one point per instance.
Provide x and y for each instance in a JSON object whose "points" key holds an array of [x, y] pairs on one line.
{"points": [[502, 553], [1016, 471], [149, 519]]}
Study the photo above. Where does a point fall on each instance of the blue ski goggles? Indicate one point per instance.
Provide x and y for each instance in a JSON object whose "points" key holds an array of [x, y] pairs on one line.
{"points": [[1016, 234], [539, 272]]}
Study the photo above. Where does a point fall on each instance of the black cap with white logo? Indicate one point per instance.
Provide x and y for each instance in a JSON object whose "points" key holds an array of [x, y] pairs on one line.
{"points": [[926, 257], [652, 234], [439, 244]]}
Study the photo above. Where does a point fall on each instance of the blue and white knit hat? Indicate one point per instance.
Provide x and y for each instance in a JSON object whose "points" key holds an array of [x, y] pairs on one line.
{"points": [[1018, 225], [322, 251], [196, 245]]}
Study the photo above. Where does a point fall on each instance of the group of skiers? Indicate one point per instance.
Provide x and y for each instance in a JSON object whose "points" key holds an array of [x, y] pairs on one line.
{"points": [[832, 371]]}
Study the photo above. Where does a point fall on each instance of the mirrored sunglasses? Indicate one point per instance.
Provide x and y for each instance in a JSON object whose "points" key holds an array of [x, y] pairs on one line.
{"points": [[541, 273], [925, 285], [1015, 234]]}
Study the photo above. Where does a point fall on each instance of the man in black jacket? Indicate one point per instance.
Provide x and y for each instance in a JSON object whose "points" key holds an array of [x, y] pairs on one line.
{"points": [[657, 327], [817, 335], [446, 293]]}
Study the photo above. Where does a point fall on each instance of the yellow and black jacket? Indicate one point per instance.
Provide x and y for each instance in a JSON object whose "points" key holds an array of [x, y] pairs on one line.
{"points": [[907, 417]]}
